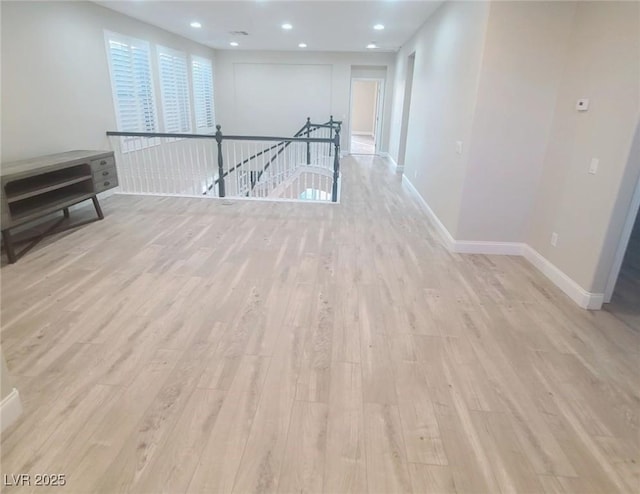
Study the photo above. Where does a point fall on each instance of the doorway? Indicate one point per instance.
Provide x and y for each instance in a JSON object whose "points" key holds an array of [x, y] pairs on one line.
{"points": [[406, 106], [624, 302], [366, 105], [622, 293]]}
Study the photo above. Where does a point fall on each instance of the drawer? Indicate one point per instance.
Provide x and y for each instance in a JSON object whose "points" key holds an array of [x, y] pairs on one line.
{"points": [[102, 163], [102, 185], [104, 174]]}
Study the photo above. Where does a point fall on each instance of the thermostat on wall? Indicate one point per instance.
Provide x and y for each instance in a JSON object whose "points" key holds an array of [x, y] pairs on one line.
{"points": [[582, 104]]}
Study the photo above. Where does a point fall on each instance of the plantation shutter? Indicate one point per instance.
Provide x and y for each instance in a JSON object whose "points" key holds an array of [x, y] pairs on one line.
{"points": [[131, 82], [202, 75], [174, 86]]}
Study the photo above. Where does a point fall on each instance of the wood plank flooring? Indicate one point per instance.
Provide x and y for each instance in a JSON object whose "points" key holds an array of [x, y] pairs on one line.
{"points": [[202, 346]]}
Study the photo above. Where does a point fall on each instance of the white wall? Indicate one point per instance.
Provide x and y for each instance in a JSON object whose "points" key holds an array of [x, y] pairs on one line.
{"points": [[56, 89], [405, 104], [523, 60], [448, 52], [363, 107], [340, 65], [602, 64], [267, 95], [75, 70], [504, 78]]}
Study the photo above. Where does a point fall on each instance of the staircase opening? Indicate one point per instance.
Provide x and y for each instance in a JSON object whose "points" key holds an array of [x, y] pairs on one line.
{"points": [[304, 167]]}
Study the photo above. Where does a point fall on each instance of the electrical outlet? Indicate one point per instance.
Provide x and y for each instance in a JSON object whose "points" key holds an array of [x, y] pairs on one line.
{"points": [[554, 239], [593, 167]]}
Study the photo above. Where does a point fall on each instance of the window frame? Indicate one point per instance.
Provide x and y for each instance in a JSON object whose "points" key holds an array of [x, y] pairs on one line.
{"points": [[129, 144]]}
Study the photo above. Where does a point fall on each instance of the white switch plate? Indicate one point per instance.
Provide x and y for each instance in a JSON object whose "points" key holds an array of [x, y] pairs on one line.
{"points": [[593, 167], [582, 104], [459, 147], [554, 239]]}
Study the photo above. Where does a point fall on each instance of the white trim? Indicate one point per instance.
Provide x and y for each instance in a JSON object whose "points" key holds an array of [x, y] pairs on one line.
{"points": [[624, 243], [488, 248], [234, 198], [585, 299], [10, 409], [579, 295], [442, 230], [398, 168]]}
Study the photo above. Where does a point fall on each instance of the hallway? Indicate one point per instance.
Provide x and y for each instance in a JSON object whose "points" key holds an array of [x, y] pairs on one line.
{"points": [[362, 145], [195, 345]]}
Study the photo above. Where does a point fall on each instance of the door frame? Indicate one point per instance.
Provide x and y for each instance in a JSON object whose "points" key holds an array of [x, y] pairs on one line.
{"points": [[634, 211], [406, 109], [379, 111]]}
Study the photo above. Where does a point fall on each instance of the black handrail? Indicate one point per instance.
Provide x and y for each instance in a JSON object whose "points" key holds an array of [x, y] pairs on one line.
{"points": [[160, 134], [282, 142], [307, 128], [213, 136]]}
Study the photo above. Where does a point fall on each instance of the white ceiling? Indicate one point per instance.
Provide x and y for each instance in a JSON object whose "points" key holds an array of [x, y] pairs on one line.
{"points": [[322, 25]]}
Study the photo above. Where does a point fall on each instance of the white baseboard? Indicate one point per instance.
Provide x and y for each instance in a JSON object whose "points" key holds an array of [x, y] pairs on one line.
{"points": [[397, 167], [10, 409], [584, 299], [442, 230], [579, 295], [489, 248]]}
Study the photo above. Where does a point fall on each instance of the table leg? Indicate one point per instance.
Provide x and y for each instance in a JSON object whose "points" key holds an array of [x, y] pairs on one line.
{"points": [[96, 205], [8, 245]]}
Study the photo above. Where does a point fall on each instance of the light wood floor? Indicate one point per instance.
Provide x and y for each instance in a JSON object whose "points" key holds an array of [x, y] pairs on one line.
{"points": [[361, 144], [188, 345]]}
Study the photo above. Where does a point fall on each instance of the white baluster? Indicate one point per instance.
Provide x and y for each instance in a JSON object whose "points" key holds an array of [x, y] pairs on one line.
{"points": [[148, 167]]}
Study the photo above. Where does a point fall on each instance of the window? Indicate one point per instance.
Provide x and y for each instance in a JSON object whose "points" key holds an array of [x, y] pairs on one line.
{"points": [[202, 74], [174, 86], [132, 85]]}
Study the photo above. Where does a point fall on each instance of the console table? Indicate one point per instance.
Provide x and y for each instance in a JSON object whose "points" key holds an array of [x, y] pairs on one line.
{"points": [[34, 188]]}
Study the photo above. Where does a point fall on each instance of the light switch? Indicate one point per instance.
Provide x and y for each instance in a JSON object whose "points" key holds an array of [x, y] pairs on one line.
{"points": [[593, 167], [582, 104], [459, 147]]}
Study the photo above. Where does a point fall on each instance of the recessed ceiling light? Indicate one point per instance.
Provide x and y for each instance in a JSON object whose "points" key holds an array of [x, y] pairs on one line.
{"points": [[378, 27], [287, 26], [196, 24], [371, 46], [234, 43], [302, 45]]}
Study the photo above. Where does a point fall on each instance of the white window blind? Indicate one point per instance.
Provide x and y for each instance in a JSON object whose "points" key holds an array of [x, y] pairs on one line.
{"points": [[132, 83], [202, 75], [174, 86]]}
